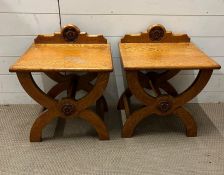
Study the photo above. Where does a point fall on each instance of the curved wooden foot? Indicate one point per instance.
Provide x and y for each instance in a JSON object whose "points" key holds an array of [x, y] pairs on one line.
{"points": [[96, 122], [134, 119], [36, 130], [190, 124]]}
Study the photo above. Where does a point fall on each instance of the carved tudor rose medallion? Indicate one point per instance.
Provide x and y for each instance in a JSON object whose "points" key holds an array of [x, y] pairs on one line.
{"points": [[164, 106], [70, 33], [164, 103], [67, 107], [156, 32]]}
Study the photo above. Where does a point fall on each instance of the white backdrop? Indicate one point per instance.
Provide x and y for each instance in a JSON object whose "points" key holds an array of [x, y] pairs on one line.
{"points": [[22, 20]]}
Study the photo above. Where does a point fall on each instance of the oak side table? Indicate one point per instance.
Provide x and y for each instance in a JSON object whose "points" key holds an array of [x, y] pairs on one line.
{"points": [[75, 60], [142, 56]]}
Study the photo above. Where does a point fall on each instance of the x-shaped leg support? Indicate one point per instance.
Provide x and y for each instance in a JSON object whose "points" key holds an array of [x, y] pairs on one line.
{"points": [[163, 105], [67, 107], [73, 83]]}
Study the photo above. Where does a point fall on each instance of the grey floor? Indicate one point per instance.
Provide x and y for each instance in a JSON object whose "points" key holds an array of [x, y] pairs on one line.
{"points": [[158, 147]]}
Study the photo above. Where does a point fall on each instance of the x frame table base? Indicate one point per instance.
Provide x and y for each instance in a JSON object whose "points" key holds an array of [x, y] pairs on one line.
{"points": [[68, 107], [161, 104]]}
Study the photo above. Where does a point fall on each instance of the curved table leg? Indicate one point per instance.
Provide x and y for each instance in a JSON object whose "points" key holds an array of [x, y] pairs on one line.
{"points": [[44, 119], [94, 95], [196, 87], [164, 104], [137, 89], [67, 107], [57, 89], [134, 119], [43, 99], [160, 81], [29, 85], [187, 119], [96, 122], [85, 85], [82, 82]]}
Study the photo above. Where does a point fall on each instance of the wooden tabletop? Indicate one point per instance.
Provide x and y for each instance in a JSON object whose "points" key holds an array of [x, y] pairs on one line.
{"points": [[145, 56], [65, 57]]}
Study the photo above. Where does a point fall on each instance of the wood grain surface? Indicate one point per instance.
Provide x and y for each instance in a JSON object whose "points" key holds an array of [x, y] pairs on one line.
{"points": [[140, 56], [65, 57]]}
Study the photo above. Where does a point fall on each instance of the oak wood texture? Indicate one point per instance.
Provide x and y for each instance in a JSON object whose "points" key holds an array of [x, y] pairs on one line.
{"points": [[66, 55], [161, 51], [164, 56]]}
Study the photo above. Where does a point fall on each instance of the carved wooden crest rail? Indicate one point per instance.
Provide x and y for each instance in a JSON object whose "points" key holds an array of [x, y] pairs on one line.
{"points": [[155, 33], [70, 34], [158, 49], [67, 51]]}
